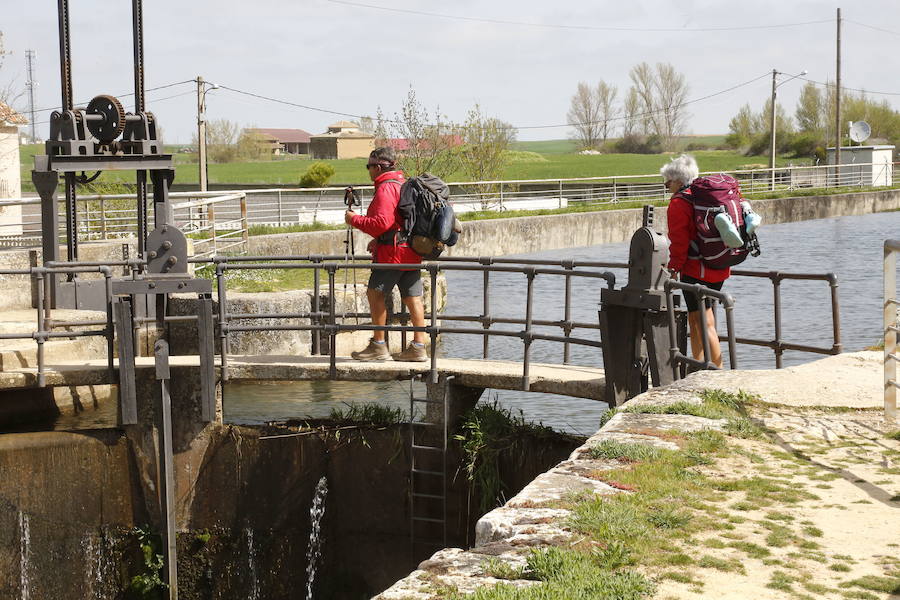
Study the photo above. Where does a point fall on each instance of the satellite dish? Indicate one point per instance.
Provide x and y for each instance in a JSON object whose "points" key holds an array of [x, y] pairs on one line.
{"points": [[860, 131]]}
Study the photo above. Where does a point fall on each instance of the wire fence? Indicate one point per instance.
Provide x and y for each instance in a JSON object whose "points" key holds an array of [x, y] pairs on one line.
{"points": [[226, 217]]}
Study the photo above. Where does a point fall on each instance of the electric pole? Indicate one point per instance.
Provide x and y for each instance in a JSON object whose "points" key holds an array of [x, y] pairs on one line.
{"points": [[201, 131], [837, 104], [30, 83], [772, 150]]}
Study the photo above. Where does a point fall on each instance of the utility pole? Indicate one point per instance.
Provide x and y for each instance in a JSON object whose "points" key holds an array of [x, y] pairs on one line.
{"points": [[30, 83], [837, 105], [772, 150], [201, 132]]}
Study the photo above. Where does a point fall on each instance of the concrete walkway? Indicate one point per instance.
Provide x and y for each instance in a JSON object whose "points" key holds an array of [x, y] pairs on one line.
{"points": [[568, 380]]}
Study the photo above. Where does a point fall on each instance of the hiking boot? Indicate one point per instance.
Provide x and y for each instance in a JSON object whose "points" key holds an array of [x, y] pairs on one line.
{"points": [[413, 353], [372, 352]]}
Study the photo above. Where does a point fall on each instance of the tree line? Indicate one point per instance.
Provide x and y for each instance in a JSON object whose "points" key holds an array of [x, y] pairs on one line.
{"points": [[812, 128], [650, 117]]}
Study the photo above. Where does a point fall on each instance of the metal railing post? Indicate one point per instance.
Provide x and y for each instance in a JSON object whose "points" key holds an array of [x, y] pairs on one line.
{"points": [[567, 315], [245, 229], [433, 271], [41, 322], [223, 317], [890, 330], [837, 347], [102, 218], [316, 334], [211, 217], [332, 320], [776, 301], [280, 218], [486, 308], [529, 301]]}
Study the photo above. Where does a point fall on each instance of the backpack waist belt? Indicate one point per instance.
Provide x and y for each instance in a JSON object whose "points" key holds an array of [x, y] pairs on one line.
{"points": [[392, 238]]}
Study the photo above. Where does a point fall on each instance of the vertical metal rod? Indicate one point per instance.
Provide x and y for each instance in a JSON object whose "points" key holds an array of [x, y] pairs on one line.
{"points": [[732, 343], [245, 229], [444, 453], [65, 55], [412, 468], [280, 218], [776, 290], [71, 221], [890, 335], [166, 468], [526, 360], [332, 350], [223, 324], [433, 270], [567, 330], [673, 338], [835, 314], [486, 312], [137, 14], [40, 326], [110, 327], [316, 334], [141, 192], [211, 218], [102, 218]]}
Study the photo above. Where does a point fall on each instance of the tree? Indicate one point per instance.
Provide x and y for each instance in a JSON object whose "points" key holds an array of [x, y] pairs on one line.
{"points": [[810, 111], [367, 125], [584, 116], [252, 145], [606, 98], [430, 138], [632, 124], [221, 140], [484, 153], [661, 92], [752, 131]]}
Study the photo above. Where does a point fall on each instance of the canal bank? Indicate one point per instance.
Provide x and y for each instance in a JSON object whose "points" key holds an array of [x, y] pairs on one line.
{"points": [[762, 484], [497, 237]]}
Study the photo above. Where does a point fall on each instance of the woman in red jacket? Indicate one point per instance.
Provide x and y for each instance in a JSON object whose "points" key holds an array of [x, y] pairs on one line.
{"points": [[678, 175], [383, 222]]}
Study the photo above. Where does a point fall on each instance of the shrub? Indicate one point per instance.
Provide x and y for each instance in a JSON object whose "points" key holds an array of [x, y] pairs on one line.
{"points": [[317, 175]]}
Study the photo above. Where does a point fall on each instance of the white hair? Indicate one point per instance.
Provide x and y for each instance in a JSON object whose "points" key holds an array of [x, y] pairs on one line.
{"points": [[682, 169]]}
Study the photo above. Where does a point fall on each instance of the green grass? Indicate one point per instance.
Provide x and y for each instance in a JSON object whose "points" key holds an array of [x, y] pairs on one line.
{"points": [[624, 451], [368, 414], [893, 435], [888, 585]]}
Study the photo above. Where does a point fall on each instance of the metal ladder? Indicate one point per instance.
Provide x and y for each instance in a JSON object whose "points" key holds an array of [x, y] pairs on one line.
{"points": [[428, 473]]}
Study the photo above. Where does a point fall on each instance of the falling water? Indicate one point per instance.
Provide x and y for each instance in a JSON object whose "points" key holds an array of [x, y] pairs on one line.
{"points": [[314, 551], [24, 546], [251, 564]]}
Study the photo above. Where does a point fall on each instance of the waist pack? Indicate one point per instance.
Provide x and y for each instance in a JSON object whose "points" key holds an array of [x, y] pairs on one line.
{"points": [[428, 219], [725, 222]]}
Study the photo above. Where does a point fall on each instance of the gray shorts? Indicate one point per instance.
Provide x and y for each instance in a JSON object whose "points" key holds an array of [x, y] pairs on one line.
{"points": [[384, 280]]}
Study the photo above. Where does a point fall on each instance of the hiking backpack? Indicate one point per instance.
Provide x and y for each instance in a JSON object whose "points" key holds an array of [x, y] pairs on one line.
{"points": [[725, 222], [429, 223]]}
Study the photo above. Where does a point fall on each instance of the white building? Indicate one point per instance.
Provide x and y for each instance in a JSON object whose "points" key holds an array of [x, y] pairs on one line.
{"points": [[10, 180], [866, 165]]}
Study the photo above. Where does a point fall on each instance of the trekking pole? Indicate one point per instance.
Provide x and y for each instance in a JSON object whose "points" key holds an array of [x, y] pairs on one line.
{"points": [[351, 199]]}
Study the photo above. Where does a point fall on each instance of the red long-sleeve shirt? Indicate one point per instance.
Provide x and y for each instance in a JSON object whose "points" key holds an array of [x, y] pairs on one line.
{"points": [[382, 216], [683, 229]]}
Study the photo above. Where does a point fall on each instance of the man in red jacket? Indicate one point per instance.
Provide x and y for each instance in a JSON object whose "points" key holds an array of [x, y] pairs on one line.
{"points": [[678, 175], [383, 222]]}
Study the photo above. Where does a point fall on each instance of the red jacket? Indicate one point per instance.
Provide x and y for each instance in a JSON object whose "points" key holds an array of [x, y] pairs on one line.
{"points": [[682, 230], [382, 216]]}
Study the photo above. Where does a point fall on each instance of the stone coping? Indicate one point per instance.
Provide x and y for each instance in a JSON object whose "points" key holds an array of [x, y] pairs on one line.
{"points": [[567, 380]]}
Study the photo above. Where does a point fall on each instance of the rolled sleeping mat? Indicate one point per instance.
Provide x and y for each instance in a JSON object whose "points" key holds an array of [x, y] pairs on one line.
{"points": [[443, 223]]}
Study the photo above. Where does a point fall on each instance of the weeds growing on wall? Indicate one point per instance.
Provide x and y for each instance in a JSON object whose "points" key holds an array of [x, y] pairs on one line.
{"points": [[148, 584], [487, 432], [368, 414]]}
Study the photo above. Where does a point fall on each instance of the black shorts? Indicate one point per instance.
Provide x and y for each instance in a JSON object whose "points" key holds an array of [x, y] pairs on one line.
{"points": [[384, 280], [690, 298]]}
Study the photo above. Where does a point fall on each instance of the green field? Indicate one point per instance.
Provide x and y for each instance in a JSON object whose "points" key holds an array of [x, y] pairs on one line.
{"points": [[532, 160]]}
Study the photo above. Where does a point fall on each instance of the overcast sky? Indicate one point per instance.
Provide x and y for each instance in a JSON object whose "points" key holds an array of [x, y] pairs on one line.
{"points": [[352, 58]]}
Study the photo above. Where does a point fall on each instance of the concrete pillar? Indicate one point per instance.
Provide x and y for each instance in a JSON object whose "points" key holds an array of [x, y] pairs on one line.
{"points": [[460, 398]]}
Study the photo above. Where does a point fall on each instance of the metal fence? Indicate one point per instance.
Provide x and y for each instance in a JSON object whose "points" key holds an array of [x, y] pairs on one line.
{"points": [[891, 247], [112, 216]]}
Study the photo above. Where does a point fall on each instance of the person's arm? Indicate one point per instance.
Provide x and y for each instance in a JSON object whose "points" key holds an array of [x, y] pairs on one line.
{"points": [[678, 215], [380, 215]]}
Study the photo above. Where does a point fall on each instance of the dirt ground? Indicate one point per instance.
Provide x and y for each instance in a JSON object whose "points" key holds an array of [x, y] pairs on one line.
{"points": [[838, 534]]}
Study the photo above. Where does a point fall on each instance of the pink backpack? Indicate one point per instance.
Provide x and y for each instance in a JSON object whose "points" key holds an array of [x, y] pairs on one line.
{"points": [[711, 196]]}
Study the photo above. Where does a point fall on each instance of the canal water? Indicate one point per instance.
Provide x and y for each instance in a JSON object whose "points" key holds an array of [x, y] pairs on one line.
{"points": [[850, 247]]}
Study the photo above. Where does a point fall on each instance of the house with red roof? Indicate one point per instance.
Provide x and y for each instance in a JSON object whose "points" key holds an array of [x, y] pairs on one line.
{"points": [[284, 141]]}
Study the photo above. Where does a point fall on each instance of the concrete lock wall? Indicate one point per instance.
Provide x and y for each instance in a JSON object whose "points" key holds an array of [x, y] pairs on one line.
{"points": [[70, 501], [497, 237]]}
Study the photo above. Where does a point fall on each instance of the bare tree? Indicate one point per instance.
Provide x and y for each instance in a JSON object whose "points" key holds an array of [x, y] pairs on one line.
{"points": [[584, 116], [367, 125], [661, 91], [606, 98], [10, 92], [632, 124], [221, 140]]}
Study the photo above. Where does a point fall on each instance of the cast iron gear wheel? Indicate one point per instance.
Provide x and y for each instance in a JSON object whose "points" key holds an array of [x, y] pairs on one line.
{"points": [[113, 123]]}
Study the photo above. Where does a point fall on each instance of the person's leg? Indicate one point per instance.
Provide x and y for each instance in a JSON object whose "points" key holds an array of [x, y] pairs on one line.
{"points": [[696, 328], [378, 309], [416, 316]]}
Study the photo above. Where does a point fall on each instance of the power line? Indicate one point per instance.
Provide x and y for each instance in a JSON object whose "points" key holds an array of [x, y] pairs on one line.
{"points": [[356, 116], [569, 26], [844, 87], [149, 100], [153, 89], [872, 27]]}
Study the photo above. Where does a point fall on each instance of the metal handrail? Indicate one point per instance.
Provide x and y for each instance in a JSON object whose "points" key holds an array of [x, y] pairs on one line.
{"points": [[890, 329], [703, 292]]}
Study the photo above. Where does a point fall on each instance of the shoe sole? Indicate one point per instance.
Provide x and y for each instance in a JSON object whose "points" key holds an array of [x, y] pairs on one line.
{"points": [[371, 358], [410, 359]]}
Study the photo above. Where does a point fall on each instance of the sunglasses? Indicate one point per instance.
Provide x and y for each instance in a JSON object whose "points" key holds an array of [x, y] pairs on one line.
{"points": [[370, 165]]}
